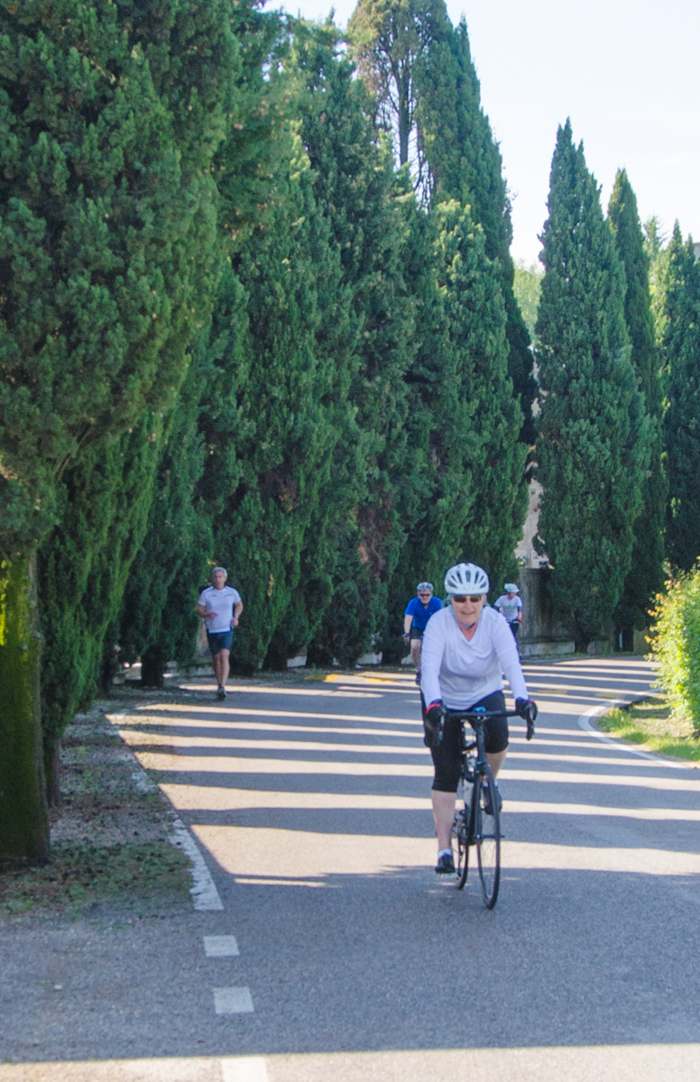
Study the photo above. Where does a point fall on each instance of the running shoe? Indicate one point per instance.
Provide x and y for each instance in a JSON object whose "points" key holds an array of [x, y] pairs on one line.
{"points": [[221, 693], [445, 865]]}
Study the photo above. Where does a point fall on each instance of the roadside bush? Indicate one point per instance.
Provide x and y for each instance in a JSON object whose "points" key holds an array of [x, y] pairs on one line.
{"points": [[675, 643]]}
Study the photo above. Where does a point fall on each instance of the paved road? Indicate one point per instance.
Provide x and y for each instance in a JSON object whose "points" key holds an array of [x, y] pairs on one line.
{"points": [[311, 805]]}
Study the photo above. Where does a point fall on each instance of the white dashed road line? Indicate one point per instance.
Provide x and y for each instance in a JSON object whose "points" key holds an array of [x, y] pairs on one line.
{"points": [[233, 1001], [244, 1069], [220, 946]]}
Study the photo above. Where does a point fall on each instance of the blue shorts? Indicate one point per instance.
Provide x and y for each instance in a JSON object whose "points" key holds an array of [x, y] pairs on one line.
{"points": [[219, 640]]}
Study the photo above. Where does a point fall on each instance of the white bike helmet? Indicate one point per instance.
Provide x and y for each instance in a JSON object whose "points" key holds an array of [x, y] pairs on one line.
{"points": [[425, 587], [466, 579], [511, 588]]}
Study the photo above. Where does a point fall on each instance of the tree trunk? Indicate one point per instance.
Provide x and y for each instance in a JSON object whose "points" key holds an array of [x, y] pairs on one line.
{"points": [[153, 663], [403, 99], [24, 821], [52, 772]]}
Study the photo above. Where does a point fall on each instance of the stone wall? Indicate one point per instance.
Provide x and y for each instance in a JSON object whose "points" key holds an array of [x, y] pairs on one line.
{"points": [[541, 631]]}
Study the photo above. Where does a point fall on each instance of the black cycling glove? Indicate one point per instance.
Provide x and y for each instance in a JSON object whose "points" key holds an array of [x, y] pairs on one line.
{"points": [[431, 723], [527, 708]]}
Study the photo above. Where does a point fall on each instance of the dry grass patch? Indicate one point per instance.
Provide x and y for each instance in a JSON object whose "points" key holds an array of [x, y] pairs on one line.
{"points": [[110, 835], [650, 725]]}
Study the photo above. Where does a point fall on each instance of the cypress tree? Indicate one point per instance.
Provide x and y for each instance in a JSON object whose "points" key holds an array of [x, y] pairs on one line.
{"points": [[104, 501], [465, 163], [109, 119], [422, 71], [158, 619], [677, 309], [456, 159], [261, 486], [526, 286], [388, 37], [360, 527], [592, 449], [645, 577], [24, 831], [465, 418]]}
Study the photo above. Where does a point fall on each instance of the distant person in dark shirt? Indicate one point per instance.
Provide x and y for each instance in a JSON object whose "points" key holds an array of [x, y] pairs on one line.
{"points": [[418, 611]]}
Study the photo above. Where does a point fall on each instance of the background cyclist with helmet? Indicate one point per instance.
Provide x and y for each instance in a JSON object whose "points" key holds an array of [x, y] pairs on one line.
{"points": [[415, 620], [510, 606], [467, 647]]}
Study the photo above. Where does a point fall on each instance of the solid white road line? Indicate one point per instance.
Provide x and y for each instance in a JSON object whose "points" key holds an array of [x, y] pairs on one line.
{"points": [[233, 1001], [598, 711], [220, 946], [204, 892]]}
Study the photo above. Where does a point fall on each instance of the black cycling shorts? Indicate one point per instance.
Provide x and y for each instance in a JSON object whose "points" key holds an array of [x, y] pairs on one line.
{"points": [[416, 633], [447, 756]]}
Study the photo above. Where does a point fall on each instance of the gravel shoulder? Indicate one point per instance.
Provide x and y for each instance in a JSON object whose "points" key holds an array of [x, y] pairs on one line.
{"points": [[110, 834]]}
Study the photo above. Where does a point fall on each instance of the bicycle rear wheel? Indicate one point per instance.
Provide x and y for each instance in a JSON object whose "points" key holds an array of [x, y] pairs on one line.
{"points": [[487, 835], [460, 832]]}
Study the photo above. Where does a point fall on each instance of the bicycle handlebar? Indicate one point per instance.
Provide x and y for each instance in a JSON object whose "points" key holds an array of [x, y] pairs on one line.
{"points": [[480, 715]]}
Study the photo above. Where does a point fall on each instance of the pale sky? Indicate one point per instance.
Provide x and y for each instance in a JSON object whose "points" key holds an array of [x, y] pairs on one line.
{"points": [[625, 71]]}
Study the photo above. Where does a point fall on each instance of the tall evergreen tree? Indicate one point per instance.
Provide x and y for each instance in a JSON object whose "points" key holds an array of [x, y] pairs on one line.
{"points": [[109, 118], [677, 309], [645, 577], [411, 53], [83, 566], [464, 417], [526, 286], [360, 524], [592, 449], [262, 487], [464, 163], [24, 831], [388, 38], [655, 242], [158, 619]]}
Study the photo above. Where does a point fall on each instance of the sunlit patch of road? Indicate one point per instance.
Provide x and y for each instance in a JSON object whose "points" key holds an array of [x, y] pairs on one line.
{"points": [[643, 1062]]}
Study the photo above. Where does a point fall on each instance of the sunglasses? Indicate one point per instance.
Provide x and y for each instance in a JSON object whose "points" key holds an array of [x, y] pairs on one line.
{"points": [[474, 598]]}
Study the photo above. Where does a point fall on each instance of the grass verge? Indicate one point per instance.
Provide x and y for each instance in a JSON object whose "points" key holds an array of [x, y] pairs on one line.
{"points": [[650, 726], [110, 845], [81, 878]]}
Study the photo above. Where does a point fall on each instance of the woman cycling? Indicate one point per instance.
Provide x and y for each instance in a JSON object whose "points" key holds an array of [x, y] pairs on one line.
{"points": [[467, 647]]}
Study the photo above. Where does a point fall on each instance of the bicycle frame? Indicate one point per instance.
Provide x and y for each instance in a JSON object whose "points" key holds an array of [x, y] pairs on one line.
{"points": [[478, 824]]}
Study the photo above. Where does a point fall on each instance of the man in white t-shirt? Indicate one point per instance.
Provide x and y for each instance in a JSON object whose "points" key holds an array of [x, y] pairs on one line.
{"points": [[221, 607], [511, 606]]}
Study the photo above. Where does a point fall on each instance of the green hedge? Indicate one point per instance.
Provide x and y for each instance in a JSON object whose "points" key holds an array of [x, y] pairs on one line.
{"points": [[675, 644]]}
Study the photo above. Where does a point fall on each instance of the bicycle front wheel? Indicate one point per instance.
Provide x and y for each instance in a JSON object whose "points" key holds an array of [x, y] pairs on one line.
{"points": [[460, 831], [488, 836]]}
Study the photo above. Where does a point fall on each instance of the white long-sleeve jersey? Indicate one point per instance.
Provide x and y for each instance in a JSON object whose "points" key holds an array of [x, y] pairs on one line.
{"points": [[460, 672]]}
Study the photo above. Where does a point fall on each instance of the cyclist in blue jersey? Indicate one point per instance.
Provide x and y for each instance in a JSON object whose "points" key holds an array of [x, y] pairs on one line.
{"points": [[418, 611]]}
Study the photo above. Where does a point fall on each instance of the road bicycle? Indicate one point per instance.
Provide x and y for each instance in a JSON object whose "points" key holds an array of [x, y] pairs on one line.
{"points": [[477, 821]]}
